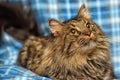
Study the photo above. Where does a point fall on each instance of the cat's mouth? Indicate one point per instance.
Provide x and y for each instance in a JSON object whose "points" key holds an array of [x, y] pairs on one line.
{"points": [[86, 39]]}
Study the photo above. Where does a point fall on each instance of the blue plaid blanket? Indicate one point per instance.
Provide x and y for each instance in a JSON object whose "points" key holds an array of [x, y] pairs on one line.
{"points": [[106, 13]]}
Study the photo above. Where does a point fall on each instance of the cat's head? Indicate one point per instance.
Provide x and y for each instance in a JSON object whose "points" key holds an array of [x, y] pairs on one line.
{"points": [[79, 31]]}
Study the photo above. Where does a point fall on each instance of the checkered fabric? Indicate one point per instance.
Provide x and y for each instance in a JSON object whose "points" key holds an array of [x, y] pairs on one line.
{"points": [[8, 72], [9, 49], [105, 13]]}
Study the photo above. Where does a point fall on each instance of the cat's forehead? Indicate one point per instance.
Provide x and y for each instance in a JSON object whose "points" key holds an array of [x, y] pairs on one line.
{"points": [[77, 22]]}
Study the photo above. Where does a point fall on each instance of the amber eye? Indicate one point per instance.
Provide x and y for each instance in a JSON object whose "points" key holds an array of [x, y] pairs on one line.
{"points": [[73, 31]]}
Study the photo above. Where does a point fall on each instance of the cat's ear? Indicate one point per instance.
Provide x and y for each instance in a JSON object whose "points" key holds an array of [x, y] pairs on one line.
{"points": [[83, 12], [55, 26]]}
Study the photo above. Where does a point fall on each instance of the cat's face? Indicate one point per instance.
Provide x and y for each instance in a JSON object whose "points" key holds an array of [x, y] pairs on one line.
{"points": [[80, 31]]}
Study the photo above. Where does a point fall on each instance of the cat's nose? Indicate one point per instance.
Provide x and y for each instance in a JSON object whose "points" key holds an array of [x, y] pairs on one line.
{"points": [[86, 32]]}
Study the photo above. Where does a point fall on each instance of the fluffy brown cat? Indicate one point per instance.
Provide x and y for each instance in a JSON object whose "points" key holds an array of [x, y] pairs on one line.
{"points": [[76, 50]]}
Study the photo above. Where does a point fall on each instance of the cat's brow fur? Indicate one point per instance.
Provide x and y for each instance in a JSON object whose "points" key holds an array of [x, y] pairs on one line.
{"points": [[76, 50]]}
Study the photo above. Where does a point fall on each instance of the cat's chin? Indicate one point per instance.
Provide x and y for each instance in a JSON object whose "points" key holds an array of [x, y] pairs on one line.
{"points": [[89, 44]]}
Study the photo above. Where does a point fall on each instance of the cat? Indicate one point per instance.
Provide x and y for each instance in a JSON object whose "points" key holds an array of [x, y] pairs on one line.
{"points": [[77, 49], [17, 22]]}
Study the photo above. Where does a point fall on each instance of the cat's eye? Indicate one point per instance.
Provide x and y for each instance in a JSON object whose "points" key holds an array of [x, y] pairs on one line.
{"points": [[73, 31], [87, 25]]}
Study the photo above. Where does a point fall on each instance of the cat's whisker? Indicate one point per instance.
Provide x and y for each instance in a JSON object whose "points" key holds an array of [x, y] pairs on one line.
{"points": [[83, 41]]}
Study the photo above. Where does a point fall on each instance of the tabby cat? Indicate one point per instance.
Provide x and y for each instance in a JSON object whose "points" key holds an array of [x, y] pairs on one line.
{"points": [[77, 49]]}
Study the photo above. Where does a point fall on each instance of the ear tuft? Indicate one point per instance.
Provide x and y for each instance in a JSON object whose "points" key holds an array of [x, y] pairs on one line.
{"points": [[55, 26], [83, 12]]}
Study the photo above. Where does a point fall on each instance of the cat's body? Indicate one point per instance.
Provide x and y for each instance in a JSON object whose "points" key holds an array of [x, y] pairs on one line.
{"points": [[76, 50]]}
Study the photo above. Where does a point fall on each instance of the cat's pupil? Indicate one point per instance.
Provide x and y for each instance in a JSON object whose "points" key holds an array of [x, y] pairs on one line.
{"points": [[73, 31], [88, 26]]}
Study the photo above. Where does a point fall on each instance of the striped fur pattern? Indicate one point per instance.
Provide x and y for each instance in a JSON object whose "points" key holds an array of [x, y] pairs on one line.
{"points": [[77, 49]]}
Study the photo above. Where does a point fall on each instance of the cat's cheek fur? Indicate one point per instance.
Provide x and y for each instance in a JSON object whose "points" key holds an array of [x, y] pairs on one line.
{"points": [[71, 38]]}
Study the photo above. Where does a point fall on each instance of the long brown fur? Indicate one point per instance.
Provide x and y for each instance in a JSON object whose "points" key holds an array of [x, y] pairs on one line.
{"points": [[76, 50]]}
